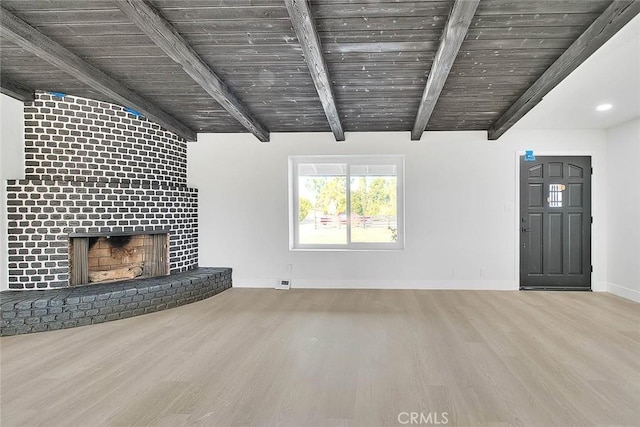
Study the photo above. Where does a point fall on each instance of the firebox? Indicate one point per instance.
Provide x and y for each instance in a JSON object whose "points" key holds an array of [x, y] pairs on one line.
{"points": [[110, 257]]}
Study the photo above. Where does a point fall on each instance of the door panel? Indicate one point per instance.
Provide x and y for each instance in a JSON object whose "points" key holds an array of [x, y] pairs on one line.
{"points": [[555, 169], [536, 193], [535, 171], [574, 191], [575, 243], [555, 237], [554, 244], [534, 237], [575, 171]]}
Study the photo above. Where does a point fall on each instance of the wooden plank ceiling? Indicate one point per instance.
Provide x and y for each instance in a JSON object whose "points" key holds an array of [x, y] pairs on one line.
{"points": [[377, 57]]}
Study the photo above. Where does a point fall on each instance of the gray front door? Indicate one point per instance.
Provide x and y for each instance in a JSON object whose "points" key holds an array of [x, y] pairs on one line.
{"points": [[555, 223]]}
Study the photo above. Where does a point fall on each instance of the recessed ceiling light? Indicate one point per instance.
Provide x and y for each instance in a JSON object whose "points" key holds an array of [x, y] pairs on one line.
{"points": [[604, 107]]}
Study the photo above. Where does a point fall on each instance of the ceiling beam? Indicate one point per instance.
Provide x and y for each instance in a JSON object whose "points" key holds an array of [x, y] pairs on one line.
{"points": [[158, 29], [16, 90], [305, 28], [616, 16], [19, 32], [454, 32]]}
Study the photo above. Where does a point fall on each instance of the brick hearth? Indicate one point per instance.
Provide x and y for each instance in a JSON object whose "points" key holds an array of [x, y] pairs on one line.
{"points": [[23, 312]]}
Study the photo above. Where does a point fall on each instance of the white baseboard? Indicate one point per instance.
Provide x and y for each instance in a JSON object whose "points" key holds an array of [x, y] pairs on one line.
{"points": [[624, 292], [493, 285]]}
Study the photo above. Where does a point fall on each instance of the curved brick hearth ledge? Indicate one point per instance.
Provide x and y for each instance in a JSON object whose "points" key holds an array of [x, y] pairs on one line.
{"points": [[23, 312]]}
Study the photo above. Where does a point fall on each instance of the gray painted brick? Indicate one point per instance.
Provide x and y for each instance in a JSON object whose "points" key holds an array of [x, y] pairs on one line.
{"points": [[112, 316], [24, 305], [84, 313], [84, 321], [106, 310], [8, 314], [41, 303], [48, 318], [99, 318], [63, 316]]}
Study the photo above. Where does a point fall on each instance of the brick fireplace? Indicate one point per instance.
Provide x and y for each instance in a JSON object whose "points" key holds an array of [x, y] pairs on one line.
{"points": [[95, 172], [116, 256]]}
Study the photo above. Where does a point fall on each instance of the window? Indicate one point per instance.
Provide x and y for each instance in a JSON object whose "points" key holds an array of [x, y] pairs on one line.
{"points": [[555, 195], [346, 202]]}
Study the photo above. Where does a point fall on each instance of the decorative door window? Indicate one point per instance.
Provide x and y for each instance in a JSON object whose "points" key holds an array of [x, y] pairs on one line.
{"points": [[555, 195]]}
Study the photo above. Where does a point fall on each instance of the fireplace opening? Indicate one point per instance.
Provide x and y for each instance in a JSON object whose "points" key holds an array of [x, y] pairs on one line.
{"points": [[117, 242], [111, 258]]}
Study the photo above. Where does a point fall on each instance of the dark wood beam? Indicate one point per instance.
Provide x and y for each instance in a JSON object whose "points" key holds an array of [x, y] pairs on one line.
{"points": [[452, 37], [616, 16], [305, 28], [158, 29], [16, 90], [19, 32]]}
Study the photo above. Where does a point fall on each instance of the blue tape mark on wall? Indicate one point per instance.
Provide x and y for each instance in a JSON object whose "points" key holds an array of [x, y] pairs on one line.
{"points": [[58, 94], [529, 156], [133, 112]]}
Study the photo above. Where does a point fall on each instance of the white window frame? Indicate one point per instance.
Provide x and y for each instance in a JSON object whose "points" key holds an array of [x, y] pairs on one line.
{"points": [[349, 160]]}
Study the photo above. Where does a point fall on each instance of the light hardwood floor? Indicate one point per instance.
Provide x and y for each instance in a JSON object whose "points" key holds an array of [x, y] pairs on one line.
{"points": [[337, 358]]}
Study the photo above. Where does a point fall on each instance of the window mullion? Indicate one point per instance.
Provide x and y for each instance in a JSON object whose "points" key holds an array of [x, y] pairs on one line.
{"points": [[348, 205], [293, 200]]}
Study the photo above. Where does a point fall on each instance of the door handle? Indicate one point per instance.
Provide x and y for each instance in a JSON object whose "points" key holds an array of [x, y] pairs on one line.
{"points": [[526, 230]]}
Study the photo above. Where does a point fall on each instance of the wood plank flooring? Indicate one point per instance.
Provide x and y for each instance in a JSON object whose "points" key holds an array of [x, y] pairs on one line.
{"points": [[337, 358]]}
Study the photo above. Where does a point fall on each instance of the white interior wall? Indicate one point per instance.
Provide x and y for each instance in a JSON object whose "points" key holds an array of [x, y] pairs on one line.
{"points": [[460, 203], [623, 197], [461, 224], [11, 165]]}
